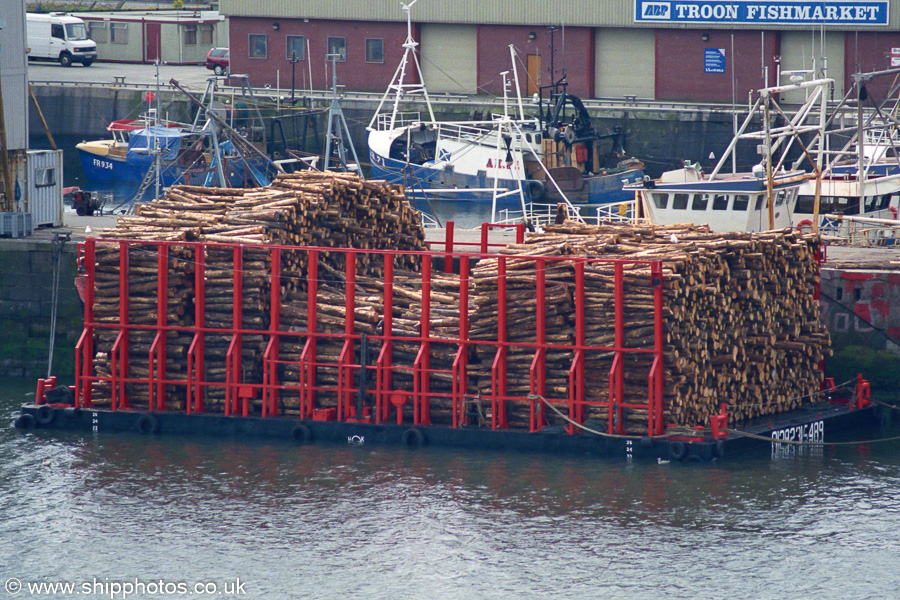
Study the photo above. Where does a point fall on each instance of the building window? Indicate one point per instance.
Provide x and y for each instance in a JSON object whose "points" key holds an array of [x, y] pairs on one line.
{"points": [[44, 177], [97, 31], [338, 46], [118, 33], [259, 45], [190, 35], [206, 33], [296, 47], [374, 50]]}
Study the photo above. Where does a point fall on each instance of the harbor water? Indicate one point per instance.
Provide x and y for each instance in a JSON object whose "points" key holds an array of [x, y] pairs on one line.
{"points": [[247, 519]]}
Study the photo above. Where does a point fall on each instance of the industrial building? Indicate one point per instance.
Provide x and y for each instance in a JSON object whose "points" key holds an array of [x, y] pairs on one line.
{"points": [[666, 50]]}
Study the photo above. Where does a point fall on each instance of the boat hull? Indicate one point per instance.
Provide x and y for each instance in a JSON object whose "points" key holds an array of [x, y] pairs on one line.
{"points": [[114, 169], [812, 424], [600, 189]]}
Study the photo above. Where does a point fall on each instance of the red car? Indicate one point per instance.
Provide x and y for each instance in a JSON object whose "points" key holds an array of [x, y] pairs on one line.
{"points": [[217, 60]]}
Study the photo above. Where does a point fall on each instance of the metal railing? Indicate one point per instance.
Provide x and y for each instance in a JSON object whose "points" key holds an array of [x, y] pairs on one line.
{"points": [[315, 356]]}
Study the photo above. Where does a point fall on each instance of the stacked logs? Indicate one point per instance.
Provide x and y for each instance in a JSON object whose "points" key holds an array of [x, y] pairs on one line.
{"points": [[741, 322], [521, 319], [331, 322], [327, 210]]}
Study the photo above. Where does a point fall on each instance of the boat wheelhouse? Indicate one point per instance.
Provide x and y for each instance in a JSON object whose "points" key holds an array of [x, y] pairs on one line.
{"points": [[725, 204], [761, 199]]}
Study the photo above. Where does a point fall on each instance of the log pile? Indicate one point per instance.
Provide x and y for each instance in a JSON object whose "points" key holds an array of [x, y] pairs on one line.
{"points": [[521, 318], [741, 320], [327, 210]]}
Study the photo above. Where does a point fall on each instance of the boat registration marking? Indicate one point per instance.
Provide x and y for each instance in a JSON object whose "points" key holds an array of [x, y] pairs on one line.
{"points": [[103, 164], [808, 432]]}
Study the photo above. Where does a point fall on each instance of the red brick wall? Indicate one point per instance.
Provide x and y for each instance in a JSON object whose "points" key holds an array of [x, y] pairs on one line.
{"points": [[356, 74], [866, 52], [576, 55], [680, 73]]}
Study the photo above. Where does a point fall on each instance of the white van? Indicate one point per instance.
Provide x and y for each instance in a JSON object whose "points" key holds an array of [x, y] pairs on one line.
{"points": [[58, 36]]}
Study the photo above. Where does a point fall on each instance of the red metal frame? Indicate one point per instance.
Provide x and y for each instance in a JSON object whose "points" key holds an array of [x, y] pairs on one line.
{"points": [[386, 397]]}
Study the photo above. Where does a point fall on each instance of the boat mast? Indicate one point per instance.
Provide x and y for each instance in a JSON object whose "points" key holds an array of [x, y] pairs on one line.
{"points": [[337, 125], [512, 55], [398, 87]]}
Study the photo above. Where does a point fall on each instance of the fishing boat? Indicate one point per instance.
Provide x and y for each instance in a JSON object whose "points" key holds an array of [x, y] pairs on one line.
{"points": [[210, 151], [556, 156], [761, 199], [131, 149]]}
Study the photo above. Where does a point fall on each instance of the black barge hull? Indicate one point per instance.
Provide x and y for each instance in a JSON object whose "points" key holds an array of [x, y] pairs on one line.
{"points": [[798, 432]]}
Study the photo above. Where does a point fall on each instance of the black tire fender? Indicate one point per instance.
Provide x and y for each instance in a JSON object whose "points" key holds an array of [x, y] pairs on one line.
{"points": [[536, 190], [302, 433], [677, 450], [45, 415], [25, 421], [413, 438], [147, 424]]}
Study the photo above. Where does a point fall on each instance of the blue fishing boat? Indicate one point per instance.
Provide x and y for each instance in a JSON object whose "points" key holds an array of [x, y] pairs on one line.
{"points": [[130, 152]]}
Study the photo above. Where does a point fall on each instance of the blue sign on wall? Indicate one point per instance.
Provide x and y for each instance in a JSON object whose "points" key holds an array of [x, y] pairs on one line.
{"points": [[714, 60], [789, 12]]}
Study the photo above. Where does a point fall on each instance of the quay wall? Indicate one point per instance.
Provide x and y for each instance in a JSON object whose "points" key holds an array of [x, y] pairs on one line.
{"points": [[26, 309], [861, 310]]}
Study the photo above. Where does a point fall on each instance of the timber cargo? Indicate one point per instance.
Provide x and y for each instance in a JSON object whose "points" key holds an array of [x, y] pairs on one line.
{"points": [[237, 311]]}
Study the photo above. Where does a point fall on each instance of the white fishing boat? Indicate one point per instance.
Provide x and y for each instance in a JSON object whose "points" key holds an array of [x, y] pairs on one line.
{"points": [[557, 156], [761, 199]]}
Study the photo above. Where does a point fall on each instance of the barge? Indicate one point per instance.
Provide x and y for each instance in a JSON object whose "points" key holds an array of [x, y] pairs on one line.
{"points": [[312, 344]]}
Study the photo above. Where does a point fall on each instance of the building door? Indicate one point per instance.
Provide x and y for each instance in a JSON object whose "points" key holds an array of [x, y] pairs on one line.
{"points": [[625, 60], [449, 58], [152, 41], [534, 74]]}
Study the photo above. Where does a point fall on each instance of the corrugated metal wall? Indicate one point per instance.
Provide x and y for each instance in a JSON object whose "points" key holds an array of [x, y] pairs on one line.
{"points": [[510, 12], [609, 13], [44, 187], [14, 71]]}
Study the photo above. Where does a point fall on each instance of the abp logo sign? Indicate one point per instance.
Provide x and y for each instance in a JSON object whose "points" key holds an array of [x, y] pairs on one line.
{"points": [[656, 11]]}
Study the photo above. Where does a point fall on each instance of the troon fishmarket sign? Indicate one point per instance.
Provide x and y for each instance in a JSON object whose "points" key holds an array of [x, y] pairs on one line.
{"points": [[826, 12]]}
